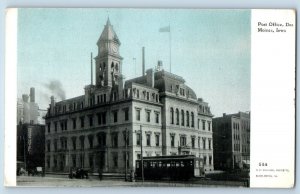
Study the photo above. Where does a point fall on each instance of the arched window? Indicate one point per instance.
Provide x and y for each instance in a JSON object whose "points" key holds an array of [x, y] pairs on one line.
{"points": [[117, 67], [112, 65], [192, 118], [103, 65], [172, 115], [187, 118], [182, 117], [177, 116]]}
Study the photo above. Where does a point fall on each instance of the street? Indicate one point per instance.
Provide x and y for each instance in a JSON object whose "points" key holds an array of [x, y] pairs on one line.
{"points": [[66, 182]]}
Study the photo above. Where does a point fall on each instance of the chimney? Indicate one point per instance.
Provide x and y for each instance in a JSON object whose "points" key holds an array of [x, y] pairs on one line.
{"points": [[150, 77], [143, 61], [32, 95]]}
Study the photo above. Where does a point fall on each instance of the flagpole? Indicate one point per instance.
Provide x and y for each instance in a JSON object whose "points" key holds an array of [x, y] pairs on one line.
{"points": [[170, 48]]}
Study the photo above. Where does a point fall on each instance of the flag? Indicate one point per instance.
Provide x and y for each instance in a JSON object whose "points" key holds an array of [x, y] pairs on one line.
{"points": [[165, 29]]}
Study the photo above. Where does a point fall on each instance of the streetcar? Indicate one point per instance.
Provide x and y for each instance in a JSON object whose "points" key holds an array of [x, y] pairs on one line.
{"points": [[174, 167]]}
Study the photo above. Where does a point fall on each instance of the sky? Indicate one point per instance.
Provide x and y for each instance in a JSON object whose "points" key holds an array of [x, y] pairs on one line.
{"points": [[210, 49]]}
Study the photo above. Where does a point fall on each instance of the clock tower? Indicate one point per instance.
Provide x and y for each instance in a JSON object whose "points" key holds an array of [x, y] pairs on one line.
{"points": [[108, 61]]}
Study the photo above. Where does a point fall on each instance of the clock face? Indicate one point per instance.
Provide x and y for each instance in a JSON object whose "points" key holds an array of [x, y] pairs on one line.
{"points": [[114, 49]]}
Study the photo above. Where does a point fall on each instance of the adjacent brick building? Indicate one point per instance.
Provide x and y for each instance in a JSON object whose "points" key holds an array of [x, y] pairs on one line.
{"points": [[231, 134]]}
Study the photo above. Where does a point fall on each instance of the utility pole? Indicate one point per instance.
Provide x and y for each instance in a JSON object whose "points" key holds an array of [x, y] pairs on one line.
{"points": [[25, 148], [126, 147], [142, 161]]}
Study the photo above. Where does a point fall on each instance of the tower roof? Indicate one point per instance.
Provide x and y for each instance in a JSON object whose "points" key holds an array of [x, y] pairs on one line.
{"points": [[108, 33]]}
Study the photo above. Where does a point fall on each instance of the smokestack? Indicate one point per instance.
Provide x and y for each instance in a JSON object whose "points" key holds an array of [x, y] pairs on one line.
{"points": [[32, 95], [52, 105], [91, 68], [143, 61]]}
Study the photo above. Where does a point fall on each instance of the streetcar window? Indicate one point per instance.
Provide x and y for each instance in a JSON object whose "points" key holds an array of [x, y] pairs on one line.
{"points": [[197, 164], [159, 164], [137, 165], [168, 164]]}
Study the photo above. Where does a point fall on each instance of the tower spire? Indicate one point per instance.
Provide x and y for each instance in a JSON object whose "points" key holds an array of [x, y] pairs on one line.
{"points": [[108, 21]]}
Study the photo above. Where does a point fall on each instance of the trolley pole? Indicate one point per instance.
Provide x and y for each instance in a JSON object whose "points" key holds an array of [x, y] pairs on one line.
{"points": [[142, 161]]}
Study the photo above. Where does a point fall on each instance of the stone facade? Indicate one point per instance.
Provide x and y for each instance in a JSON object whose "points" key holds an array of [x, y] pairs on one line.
{"points": [[106, 126]]}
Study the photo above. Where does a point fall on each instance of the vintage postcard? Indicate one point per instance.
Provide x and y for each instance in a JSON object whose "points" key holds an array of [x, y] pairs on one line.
{"points": [[150, 97]]}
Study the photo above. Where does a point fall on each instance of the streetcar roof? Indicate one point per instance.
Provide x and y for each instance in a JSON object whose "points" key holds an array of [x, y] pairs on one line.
{"points": [[173, 157]]}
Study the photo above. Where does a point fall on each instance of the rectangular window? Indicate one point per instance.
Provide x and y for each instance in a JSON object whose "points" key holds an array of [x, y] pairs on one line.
{"points": [[148, 139], [115, 113], [91, 120], [115, 140], [172, 141], [204, 160], [204, 143], [138, 156], [138, 94], [138, 139], [138, 114], [99, 118], [55, 126], [91, 141], [82, 142], [147, 95], [82, 122], [66, 124], [209, 144], [74, 123], [182, 141], [193, 142], [101, 139], [74, 143], [104, 118], [91, 160], [203, 124], [148, 116], [62, 125], [126, 112], [157, 117], [208, 124], [210, 160], [48, 126], [157, 139], [55, 145]]}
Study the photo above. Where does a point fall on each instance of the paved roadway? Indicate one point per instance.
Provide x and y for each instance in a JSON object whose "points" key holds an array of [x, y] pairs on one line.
{"points": [[66, 182]]}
